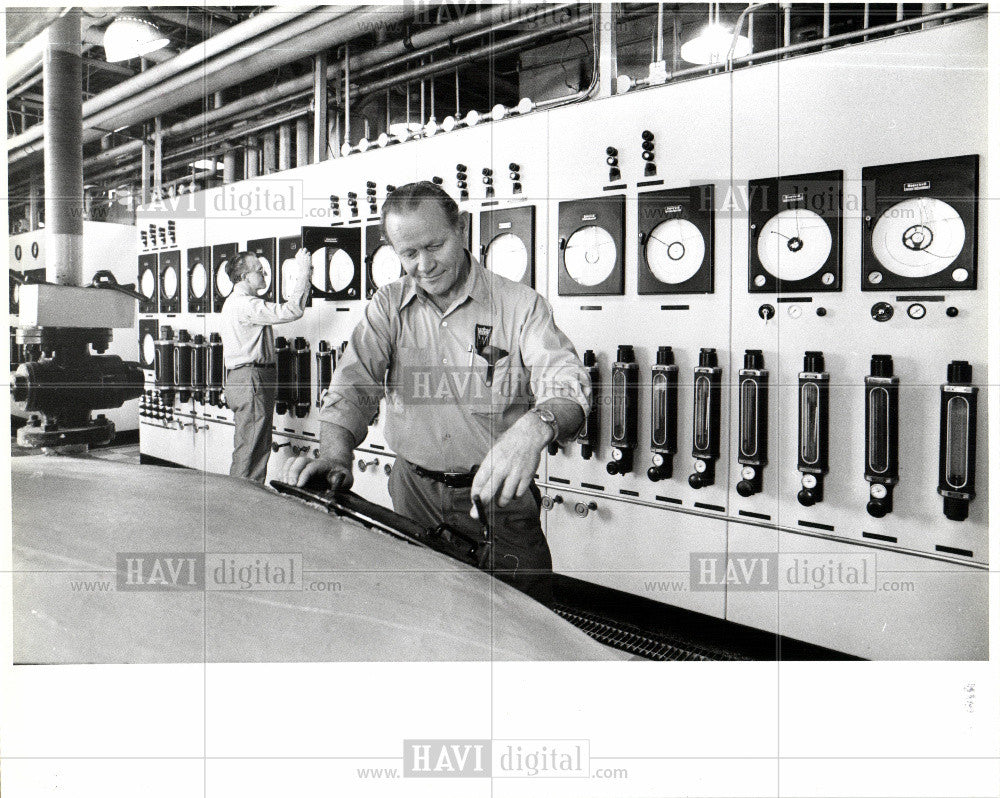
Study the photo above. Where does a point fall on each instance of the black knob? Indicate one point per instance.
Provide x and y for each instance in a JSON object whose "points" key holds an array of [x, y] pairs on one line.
{"points": [[766, 312], [490, 191], [589, 358], [821, 312], [813, 362], [881, 367], [614, 174], [517, 188], [956, 509], [462, 184], [611, 161], [753, 359], [553, 448], [656, 473], [951, 312], [745, 488], [647, 135], [708, 358], [370, 184], [647, 146], [960, 372], [487, 171], [464, 194], [437, 180], [697, 481], [664, 356], [390, 188], [461, 167], [514, 167], [352, 195], [487, 180], [611, 151], [614, 467], [626, 353], [877, 508], [806, 497]]}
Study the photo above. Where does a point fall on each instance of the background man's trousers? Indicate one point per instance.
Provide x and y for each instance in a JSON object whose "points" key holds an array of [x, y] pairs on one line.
{"points": [[250, 393], [521, 554]]}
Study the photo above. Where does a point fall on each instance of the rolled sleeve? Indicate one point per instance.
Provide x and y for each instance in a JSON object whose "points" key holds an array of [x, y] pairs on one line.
{"points": [[259, 312], [358, 381], [556, 370]]}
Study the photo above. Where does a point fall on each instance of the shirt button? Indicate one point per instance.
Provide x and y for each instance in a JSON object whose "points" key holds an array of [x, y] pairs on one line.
{"points": [[444, 324], [444, 360]]}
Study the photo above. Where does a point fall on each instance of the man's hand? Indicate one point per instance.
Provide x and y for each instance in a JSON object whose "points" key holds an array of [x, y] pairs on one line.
{"points": [[329, 473], [510, 466], [304, 259]]}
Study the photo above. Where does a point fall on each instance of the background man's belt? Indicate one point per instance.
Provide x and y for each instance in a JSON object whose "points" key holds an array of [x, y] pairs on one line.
{"points": [[450, 479]]}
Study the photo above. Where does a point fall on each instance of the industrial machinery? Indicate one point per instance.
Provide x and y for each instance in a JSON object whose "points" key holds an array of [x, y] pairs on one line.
{"points": [[775, 317]]}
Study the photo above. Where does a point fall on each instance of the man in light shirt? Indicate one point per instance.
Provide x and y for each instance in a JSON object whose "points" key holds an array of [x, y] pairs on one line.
{"points": [[248, 349], [477, 380]]}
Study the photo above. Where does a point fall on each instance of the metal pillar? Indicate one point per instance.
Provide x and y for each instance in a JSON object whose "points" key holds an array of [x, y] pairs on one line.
{"points": [[302, 142], [229, 167], [34, 195], [157, 157], [251, 165], [270, 153], [607, 50], [63, 124], [320, 110], [284, 147]]}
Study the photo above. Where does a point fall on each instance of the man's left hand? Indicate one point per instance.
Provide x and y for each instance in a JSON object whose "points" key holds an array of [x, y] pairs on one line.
{"points": [[509, 467]]}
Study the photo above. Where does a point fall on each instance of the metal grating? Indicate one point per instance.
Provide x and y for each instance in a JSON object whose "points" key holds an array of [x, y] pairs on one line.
{"points": [[632, 641]]}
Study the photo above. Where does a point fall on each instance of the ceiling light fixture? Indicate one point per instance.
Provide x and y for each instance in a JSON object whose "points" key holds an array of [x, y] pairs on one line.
{"points": [[131, 37], [713, 43]]}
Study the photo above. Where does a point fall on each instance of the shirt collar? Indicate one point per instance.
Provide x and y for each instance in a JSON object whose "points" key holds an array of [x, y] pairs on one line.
{"points": [[475, 287]]}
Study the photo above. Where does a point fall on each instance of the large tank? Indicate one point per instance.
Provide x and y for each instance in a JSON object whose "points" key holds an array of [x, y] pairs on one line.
{"points": [[121, 563]]}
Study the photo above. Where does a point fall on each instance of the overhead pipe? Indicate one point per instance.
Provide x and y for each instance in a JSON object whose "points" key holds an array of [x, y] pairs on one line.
{"points": [[205, 24], [63, 73]]}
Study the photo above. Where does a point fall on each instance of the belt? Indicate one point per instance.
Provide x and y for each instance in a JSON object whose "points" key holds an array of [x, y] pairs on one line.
{"points": [[450, 479], [255, 365]]}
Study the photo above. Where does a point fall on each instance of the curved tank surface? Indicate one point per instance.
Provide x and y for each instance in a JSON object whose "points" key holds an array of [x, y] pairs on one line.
{"points": [[107, 570]]}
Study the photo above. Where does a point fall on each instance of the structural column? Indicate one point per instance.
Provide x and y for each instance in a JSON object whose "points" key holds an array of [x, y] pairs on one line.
{"points": [[63, 129]]}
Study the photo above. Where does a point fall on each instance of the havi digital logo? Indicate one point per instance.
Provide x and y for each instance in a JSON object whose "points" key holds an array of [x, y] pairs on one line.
{"points": [[444, 758]]}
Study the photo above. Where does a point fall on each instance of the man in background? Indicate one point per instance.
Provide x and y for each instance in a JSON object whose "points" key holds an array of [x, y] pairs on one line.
{"points": [[248, 349]]}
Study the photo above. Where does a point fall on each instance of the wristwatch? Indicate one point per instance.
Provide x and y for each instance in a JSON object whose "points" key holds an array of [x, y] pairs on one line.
{"points": [[549, 418]]}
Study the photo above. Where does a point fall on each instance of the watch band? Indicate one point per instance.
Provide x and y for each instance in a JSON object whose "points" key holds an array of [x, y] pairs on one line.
{"points": [[547, 417]]}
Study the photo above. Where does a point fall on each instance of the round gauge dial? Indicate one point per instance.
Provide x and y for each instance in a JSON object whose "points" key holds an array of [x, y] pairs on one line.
{"points": [[265, 266], [507, 256], [794, 244], [591, 254], [199, 280], [170, 282], [148, 348], [918, 237], [222, 282], [147, 284], [340, 269], [675, 250], [385, 266]]}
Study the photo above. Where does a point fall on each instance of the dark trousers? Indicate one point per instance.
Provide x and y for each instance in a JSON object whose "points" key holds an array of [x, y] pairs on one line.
{"points": [[250, 393], [521, 556]]}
